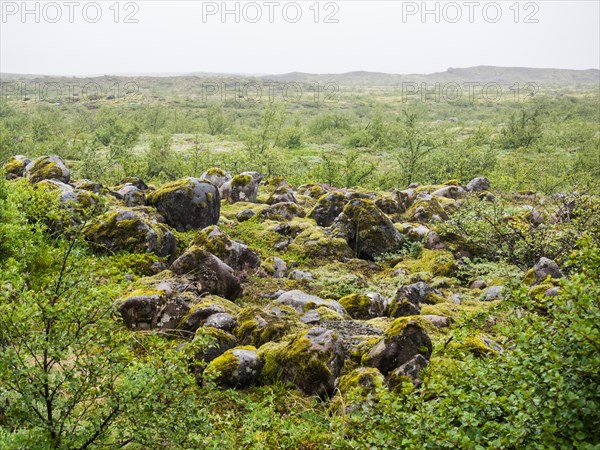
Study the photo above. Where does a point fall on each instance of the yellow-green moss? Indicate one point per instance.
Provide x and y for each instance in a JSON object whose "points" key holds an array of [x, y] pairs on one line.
{"points": [[362, 378], [540, 289], [435, 262], [473, 345], [216, 171], [357, 305], [219, 369], [251, 331], [241, 180], [126, 234], [141, 293], [185, 184], [14, 166], [529, 277], [446, 309], [400, 324], [44, 169], [294, 361], [328, 314]]}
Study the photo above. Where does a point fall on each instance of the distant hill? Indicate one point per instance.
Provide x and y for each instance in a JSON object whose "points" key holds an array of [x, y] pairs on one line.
{"points": [[363, 79], [481, 74]]}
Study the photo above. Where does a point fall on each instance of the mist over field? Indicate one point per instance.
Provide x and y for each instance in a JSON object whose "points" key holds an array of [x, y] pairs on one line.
{"points": [[304, 225]]}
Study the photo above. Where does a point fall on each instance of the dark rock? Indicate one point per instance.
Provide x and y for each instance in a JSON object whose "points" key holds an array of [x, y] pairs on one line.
{"points": [[187, 204], [403, 340], [214, 275], [367, 230]]}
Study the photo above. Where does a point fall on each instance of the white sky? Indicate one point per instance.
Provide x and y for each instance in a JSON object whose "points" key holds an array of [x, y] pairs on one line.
{"points": [[171, 37]]}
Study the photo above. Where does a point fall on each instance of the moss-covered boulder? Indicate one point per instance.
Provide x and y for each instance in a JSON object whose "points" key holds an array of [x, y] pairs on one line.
{"points": [[408, 299], [212, 274], [133, 229], [358, 389], [235, 254], [365, 380], [403, 339], [202, 310], [439, 263], [282, 212], [283, 193], [148, 309], [209, 343], [479, 184], [320, 315], [15, 167], [479, 346], [452, 191], [409, 371], [216, 176], [404, 199], [81, 203], [88, 185], [318, 244], [131, 195], [140, 308], [364, 306], [257, 177], [257, 326], [188, 203], [303, 302], [544, 269], [312, 190], [427, 208], [312, 360], [239, 367], [328, 207], [367, 230], [47, 168], [241, 188]]}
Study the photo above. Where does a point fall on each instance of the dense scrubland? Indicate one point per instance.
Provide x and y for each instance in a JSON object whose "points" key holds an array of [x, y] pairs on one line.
{"points": [[365, 270]]}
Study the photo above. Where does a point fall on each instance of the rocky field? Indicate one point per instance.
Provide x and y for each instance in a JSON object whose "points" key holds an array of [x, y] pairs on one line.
{"points": [[191, 312]]}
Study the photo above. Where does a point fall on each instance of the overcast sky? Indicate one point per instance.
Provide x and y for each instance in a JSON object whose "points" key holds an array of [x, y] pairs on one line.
{"points": [[64, 38]]}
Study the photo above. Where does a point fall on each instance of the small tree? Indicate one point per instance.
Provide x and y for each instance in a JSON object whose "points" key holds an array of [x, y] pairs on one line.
{"points": [[216, 120], [523, 130], [69, 376], [414, 142]]}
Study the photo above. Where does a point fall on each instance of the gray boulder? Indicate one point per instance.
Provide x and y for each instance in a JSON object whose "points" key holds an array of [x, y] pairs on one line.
{"points": [[367, 230], [137, 230], [235, 254], [493, 293], [132, 195], [47, 168], [188, 203], [478, 184], [410, 369], [312, 360], [213, 275], [303, 302], [15, 167], [408, 299], [216, 176], [241, 188], [546, 267], [403, 340], [239, 367]]}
